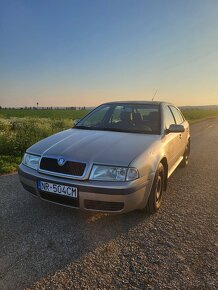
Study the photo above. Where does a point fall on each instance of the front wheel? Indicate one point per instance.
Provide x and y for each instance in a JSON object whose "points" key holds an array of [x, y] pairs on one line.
{"points": [[155, 197]]}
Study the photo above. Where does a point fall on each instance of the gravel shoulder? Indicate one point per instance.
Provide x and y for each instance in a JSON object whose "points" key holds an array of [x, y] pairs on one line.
{"points": [[45, 246]]}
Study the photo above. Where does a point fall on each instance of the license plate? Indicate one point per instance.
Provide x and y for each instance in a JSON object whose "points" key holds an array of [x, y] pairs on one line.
{"points": [[58, 189]]}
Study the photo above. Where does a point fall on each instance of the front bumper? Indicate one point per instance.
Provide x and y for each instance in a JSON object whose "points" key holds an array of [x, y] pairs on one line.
{"points": [[93, 195]]}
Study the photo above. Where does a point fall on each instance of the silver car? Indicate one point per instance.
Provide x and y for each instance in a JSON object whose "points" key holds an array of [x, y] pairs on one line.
{"points": [[118, 158]]}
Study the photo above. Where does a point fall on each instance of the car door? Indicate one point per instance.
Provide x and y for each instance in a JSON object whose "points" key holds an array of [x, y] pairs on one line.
{"points": [[183, 136], [172, 141]]}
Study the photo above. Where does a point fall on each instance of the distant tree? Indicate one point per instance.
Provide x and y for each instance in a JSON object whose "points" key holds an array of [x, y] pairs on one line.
{"points": [[0, 107]]}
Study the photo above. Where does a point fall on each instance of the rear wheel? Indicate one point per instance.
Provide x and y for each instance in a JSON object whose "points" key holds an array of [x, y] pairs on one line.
{"points": [[186, 154], [155, 197]]}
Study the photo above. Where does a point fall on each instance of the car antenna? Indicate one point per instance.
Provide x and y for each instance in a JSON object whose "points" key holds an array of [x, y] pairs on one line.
{"points": [[154, 94]]}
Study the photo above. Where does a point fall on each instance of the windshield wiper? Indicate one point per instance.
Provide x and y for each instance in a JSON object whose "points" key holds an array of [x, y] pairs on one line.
{"points": [[114, 129], [84, 127], [110, 129], [123, 130]]}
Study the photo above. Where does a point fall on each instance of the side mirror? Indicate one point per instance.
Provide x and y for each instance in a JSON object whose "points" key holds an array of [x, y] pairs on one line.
{"points": [[176, 128], [75, 122]]}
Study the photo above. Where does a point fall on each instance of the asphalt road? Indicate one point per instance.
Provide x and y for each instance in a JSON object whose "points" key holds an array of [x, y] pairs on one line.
{"points": [[51, 247]]}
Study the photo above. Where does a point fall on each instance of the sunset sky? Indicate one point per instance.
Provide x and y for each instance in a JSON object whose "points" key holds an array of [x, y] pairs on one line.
{"points": [[83, 53]]}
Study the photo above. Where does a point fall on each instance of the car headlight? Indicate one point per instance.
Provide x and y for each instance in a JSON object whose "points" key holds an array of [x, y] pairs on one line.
{"points": [[31, 161], [113, 173]]}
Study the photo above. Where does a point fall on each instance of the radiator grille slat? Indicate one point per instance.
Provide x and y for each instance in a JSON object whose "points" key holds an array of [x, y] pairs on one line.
{"points": [[69, 168], [103, 205]]}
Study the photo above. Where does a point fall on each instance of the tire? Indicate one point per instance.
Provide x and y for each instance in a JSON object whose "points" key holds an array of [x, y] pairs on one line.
{"points": [[186, 154], [155, 197]]}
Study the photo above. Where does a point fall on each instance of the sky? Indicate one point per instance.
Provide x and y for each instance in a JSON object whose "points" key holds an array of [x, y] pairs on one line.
{"points": [[86, 52]]}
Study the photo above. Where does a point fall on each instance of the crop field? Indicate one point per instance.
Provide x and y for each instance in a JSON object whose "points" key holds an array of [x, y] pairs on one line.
{"points": [[19, 129], [42, 113], [197, 114]]}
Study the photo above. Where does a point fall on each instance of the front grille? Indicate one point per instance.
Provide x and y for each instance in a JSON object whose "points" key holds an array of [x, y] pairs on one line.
{"points": [[65, 200], [69, 168], [103, 205]]}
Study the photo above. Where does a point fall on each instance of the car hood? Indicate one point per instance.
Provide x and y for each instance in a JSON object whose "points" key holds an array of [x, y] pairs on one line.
{"points": [[102, 147]]}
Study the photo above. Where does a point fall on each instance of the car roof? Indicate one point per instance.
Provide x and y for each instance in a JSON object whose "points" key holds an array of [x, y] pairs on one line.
{"points": [[139, 102]]}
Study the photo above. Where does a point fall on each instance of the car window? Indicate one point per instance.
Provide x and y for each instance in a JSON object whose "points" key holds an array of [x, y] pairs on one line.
{"points": [[169, 119], [116, 116], [146, 113], [137, 117], [96, 117], [177, 115], [183, 118], [127, 117]]}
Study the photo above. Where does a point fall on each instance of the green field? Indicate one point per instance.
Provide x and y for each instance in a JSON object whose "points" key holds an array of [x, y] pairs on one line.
{"points": [[190, 114], [198, 114], [19, 129], [51, 114]]}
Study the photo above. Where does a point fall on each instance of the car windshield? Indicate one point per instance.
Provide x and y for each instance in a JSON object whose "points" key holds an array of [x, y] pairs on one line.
{"points": [[131, 118]]}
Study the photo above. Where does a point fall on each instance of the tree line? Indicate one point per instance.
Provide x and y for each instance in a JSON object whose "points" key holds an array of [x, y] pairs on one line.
{"points": [[43, 108]]}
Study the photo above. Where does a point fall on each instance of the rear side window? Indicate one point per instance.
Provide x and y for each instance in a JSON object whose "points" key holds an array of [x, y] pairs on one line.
{"points": [[169, 119], [177, 115]]}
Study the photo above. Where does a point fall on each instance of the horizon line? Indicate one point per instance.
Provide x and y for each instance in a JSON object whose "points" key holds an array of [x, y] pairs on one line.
{"points": [[75, 107]]}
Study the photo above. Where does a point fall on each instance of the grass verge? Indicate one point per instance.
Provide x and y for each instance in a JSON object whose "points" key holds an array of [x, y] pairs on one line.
{"points": [[8, 164]]}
